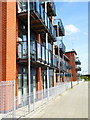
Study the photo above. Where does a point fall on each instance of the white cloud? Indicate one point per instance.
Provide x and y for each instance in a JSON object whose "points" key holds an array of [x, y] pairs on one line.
{"points": [[70, 29]]}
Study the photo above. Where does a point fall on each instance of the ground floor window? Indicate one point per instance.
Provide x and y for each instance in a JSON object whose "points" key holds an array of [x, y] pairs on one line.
{"points": [[22, 82]]}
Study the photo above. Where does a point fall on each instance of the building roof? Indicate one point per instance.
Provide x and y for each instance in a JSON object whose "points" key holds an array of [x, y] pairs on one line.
{"points": [[72, 51]]}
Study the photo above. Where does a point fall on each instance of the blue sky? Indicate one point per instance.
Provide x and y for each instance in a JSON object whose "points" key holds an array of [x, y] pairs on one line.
{"points": [[74, 16]]}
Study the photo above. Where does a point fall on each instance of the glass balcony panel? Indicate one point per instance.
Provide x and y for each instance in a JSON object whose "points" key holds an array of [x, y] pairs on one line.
{"points": [[43, 54], [33, 50], [42, 14], [54, 61], [22, 6], [37, 8], [38, 51], [31, 6], [19, 51], [46, 19], [50, 26], [50, 58], [25, 49], [22, 50]]}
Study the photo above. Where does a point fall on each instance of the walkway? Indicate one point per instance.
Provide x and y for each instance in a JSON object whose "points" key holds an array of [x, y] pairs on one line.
{"points": [[71, 104]]}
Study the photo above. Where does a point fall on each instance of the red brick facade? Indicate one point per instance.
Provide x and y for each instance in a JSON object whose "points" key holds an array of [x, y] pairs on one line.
{"points": [[71, 56], [8, 41]]}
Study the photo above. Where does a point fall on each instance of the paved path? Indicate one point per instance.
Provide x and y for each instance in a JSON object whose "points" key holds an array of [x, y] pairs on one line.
{"points": [[71, 104]]}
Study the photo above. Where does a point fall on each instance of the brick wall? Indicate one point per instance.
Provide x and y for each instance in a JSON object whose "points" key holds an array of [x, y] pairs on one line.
{"points": [[8, 41], [7, 45], [71, 56]]}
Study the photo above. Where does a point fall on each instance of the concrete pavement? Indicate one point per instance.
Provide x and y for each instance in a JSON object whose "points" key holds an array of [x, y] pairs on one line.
{"points": [[71, 104]]}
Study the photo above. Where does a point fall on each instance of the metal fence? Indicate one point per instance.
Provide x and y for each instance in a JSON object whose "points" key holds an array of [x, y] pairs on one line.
{"points": [[6, 99], [16, 107]]}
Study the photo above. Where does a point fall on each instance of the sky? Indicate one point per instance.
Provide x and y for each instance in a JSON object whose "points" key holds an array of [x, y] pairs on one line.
{"points": [[74, 16]]}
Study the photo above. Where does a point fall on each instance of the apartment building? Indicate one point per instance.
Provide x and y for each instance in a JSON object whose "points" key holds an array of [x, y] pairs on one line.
{"points": [[50, 64], [75, 63]]}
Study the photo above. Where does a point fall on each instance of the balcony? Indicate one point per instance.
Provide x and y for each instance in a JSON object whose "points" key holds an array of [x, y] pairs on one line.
{"points": [[62, 65], [62, 46], [55, 61], [40, 22], [22, 8], [68, 74], [68, 66], [59, 25], [51, 10], [78, 75], [78, 68], [42, 56], [22, 53], [77, 61]]}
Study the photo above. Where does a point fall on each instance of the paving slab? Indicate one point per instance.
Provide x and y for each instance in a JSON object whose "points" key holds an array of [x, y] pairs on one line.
{"points": [[71, 104]]}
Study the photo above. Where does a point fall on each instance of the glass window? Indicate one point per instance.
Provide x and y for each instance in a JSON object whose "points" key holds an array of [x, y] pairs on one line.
{"points": [[19, 81], [25, 80]]}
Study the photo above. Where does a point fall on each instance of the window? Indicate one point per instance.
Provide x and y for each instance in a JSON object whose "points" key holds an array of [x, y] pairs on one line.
{"points": [[19, 81]]}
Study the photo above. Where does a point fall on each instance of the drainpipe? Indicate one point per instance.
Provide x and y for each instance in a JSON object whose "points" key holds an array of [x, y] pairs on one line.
{"points": [[46, 51], [29, 80]]}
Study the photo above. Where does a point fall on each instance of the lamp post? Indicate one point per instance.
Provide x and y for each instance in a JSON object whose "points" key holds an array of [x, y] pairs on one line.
{"points": [[72, 68]]}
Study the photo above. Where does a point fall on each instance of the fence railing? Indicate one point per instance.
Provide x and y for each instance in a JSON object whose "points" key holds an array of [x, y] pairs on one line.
{"points": [[6, 98], [16, 107]]}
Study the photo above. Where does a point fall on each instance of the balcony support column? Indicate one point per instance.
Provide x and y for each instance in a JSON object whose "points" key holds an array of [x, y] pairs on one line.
{"points": [[54, 71], [29, 79], [46, 51], [45, 10], [58, 53], [47, 67], [39, 71]]}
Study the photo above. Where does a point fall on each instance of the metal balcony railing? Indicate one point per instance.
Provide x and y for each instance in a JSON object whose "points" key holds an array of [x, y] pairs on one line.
{"points": [[59, 24], [78, 74], [22, 6], [62, 65], [22, 50], [51, 9], [78, 68], [68, 74], [77, 61], [39, 53], [62, 46], [55, 61], [37, 8]]}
